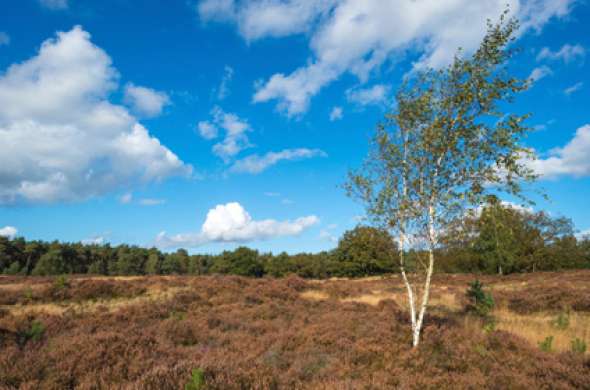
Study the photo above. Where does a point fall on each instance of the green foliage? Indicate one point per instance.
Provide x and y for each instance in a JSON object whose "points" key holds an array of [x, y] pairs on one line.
{"points": [[502, 239], [562, 321], [365, 250], [34, 332], [547, 344], [578, 346], [481, 302], [61, 282], [13, 269], [52, 262], [243, 261], [197, 381], [28, 294]]}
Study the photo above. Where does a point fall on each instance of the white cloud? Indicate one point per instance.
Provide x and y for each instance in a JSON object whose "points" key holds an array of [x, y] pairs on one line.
{"points": [[336, 114], [96, 240], [207, 130], [145, 101], [235, 128], [518, 207], [54, 4], [567, 53], [266, 18], [326, 235], [256, 164], [8, 231], [272, 194], [359, 36], [151, 201], [126, 198], [573, 159], [60, 136], [574, 88], [232, 223], [223, 90], [534, 14], [376, 94], [287, 201], [539, 73], [584, 234], [4, 38]]}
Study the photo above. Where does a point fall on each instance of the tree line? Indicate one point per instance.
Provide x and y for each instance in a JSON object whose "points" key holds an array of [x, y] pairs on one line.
{"points": [[495, 239]]}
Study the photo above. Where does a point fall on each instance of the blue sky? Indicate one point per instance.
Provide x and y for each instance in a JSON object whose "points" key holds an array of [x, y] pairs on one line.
{"points": [[220, 122]]}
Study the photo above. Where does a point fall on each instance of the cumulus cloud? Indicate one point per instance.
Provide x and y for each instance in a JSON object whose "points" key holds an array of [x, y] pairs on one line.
{"points": [[359, 36], [540, 73], [4, 38], [8, 231], [336, 114], [60, 136], [235, 139], [574, 88], [376, 94], [145, 101], [207, 130], [567, 53], [573, 159], [232, 223], [54, 4], [264, 18], [256, 164]]}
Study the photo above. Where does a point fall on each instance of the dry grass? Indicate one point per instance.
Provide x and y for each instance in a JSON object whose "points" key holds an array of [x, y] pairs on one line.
{"points": [[536, 327]]}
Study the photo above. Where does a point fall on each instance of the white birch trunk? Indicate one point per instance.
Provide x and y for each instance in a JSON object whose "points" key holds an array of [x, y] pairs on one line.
{"points": [[426, 293]]}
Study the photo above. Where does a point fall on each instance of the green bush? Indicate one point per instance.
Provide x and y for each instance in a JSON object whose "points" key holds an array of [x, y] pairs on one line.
{"points": [[547, 344], [562, 321], [197, 380], [481, 303], [61, 282], [33, 333], [578, 346]]}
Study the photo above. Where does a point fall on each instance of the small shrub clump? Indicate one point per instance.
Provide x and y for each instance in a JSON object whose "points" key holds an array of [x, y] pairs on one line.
{"points": [[547, 344], [562, 321], [197, 380], [578, 346], [481, 303]]}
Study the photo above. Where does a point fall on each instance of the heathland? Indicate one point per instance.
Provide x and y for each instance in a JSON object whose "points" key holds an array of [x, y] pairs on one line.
{"points": [[231, 332]]}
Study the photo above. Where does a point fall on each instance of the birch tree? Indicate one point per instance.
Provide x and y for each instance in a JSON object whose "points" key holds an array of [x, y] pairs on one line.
{"points": [[449, 143]]}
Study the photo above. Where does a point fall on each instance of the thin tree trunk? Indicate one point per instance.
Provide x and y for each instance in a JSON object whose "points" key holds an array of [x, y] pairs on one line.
{"points": [[411, 301], [427, 282]]}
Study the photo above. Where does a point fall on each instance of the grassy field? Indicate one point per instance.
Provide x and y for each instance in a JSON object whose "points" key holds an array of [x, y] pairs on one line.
{"points": [[229, 332]]}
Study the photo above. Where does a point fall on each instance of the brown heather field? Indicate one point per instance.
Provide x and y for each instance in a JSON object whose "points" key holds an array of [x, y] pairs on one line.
{"points": [[151, 332]]}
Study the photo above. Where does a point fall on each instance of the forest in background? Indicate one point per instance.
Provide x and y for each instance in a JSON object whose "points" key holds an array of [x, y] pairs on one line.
{"points": [[497, 239]]}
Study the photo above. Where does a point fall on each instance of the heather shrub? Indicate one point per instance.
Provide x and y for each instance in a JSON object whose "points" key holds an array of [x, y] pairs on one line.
{"points": [[197, 380], [547, 344], [578, 346], [481, 303]]}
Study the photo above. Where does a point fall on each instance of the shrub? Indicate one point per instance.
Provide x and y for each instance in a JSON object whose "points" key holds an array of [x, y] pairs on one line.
{"points": [[197, 380], [61, 282], [562, 321], [33, 333], [547, 344], [578, 346], [482, 303]]}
